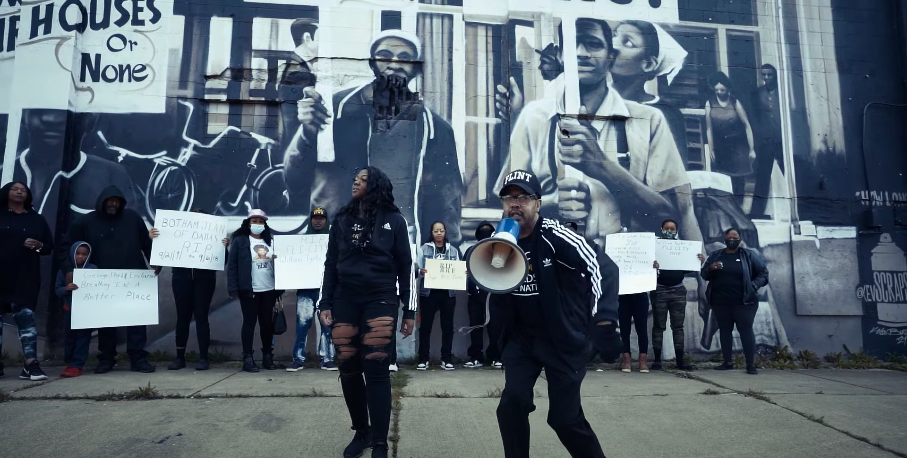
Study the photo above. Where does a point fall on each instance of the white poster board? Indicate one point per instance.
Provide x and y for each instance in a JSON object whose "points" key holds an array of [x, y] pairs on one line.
{"points": [[678, 254], [444, 274], [190, 240], [299, 261], [634, 254], [109, 298]]}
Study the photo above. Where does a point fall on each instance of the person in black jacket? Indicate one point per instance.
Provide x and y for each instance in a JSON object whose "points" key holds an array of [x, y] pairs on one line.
{"points": [[119, 240], [735, 275], [368, 257], [250, 276], [24, 238], [192, 293], [477, 309], [568, 297]]}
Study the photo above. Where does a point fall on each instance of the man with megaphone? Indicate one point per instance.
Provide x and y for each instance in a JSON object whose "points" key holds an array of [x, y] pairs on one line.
{"points": [[553, 294]]}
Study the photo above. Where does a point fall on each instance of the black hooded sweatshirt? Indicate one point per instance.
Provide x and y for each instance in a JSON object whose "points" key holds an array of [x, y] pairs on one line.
{"points": [[117, 241], [21, 279]]}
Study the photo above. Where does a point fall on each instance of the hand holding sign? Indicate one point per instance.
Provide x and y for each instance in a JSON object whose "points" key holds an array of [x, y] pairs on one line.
{"points": [[443, 274]]}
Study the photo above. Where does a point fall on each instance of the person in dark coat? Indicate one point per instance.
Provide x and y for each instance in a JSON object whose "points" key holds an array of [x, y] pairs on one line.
{"points": [[477, 307], [119, 240], [24, 238]]}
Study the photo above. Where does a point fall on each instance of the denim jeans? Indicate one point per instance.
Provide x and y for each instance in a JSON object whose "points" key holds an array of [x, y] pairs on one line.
{"points": [[305, 314], [78, 342], [28, 333]]}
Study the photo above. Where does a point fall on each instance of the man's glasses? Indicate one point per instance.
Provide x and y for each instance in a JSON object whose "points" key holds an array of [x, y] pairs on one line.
{"points": [[522, 199]]}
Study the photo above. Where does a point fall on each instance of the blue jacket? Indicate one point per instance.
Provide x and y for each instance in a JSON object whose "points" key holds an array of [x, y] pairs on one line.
{"points": [[60, 285], [755, 275], [430, 251]]}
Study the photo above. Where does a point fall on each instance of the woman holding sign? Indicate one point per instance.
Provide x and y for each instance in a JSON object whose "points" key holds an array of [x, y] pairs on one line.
{"points": [[250, 276], [436, 300], [368, 256]]}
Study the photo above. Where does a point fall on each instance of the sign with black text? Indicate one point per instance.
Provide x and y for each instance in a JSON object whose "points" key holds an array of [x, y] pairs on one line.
{"points": [[109, 298], [299, 261], [190, 240]]}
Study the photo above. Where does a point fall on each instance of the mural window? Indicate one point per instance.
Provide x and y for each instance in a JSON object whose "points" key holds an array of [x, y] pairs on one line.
{"points": [[731, 12], [218, 117]]}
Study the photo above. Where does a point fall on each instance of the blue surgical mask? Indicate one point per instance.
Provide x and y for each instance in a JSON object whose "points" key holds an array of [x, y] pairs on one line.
{"points": [[257, 229], [669, 235]]}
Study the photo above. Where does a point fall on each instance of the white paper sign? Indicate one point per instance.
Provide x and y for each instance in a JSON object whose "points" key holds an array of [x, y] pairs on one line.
{"points": [[444, 274], [634, 254], [678, 254], [109, 298], [299, 261], [191, 240]]}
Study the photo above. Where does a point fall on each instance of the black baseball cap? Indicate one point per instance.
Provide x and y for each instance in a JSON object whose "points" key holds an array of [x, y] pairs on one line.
{"points": [[525, 180], [319, 211]]}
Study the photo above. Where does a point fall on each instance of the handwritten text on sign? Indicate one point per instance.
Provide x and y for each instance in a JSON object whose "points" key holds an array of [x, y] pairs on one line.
{"points": [[191, 240], [443, 274], [634, 254], [112, 298], [299, 262], [678, 254]]}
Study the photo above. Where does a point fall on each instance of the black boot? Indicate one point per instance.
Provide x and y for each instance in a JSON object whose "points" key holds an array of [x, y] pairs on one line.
{"points": [[682, 364], [656, 365], [248, 364], [177, 364], [267, 361], [379, 450], [361, 441]]}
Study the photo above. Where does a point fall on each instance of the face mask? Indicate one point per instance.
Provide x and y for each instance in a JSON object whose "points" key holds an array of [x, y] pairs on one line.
{"points": [[482, 235], [732, 243], [669, 235], [257, 229]]}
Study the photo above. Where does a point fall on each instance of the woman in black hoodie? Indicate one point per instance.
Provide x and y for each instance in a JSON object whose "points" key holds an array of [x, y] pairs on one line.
{"points": [[368, 256]]}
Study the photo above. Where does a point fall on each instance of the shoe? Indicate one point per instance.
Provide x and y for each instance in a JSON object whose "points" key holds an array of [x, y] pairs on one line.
{"points": [[71, 372], [104, 366], [1, 370], [267, 362], [202, 365], [473, 364], [296, 367], [751, 370], [177, 364], [392, 368], [625, 362], [328, 366], [422, 366], [656, 365], [682, 364], [144, 367], [32, 371], [379, 450], [644, 363], [248, 364], [725, 367], [447, 366], [497, 365], [361, 441]]}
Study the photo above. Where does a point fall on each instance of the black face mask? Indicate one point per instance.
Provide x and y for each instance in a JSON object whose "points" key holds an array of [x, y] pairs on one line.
{"points": [[484, 234], [732, 243]]}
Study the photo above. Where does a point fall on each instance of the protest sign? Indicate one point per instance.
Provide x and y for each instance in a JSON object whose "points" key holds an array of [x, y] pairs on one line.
{"points": [[444, 274], [191, 240], [678, 254], [109, 298], [299, 261], [634, 254]]}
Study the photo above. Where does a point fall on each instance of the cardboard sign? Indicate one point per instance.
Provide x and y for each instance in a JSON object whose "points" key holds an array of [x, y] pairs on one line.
{"points": [[299, 261], [191, 240], [444, 274], [678, 254], [109, 298], [634, 254]]}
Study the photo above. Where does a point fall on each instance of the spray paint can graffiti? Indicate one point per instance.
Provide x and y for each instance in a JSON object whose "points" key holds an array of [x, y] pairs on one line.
{"points": [[886, 292]]}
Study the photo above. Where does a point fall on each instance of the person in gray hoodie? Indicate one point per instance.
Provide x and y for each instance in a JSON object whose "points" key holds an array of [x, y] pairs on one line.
{"points": [[435, 300], [75, 350]]}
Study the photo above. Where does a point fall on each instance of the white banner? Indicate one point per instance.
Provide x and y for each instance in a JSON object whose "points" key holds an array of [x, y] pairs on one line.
{"points": [[444, 274], [678, 254], [109, 298], [187, 239], [299, 261], [634, 254]]}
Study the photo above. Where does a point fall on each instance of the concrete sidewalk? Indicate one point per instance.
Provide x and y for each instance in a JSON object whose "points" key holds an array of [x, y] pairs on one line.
{"points": [[227, 413]]}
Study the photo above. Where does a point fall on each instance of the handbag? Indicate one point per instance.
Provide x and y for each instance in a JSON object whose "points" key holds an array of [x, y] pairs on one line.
{"points": [[279, 319]]}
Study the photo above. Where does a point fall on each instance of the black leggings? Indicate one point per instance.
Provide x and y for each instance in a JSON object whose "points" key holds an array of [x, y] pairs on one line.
{"points": [[634, 308], [363, 334], [742, 316], [438, 300], [193, 297], [258, 307]]}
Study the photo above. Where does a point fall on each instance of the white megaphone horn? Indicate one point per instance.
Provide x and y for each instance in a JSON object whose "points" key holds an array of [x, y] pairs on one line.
{"points": [[497, 264]]}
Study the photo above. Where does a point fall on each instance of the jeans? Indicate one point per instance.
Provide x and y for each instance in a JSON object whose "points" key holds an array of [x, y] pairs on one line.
{"points": [[668, 300], [634, 308], [28, 333], [77, 344], [136, 338], [741, 316], [305, 314], [438, 300], [258, 308], [193, 298], [476, 306]]}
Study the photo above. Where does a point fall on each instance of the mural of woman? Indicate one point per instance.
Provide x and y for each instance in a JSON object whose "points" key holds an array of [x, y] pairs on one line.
{"points": [[729, 134]]}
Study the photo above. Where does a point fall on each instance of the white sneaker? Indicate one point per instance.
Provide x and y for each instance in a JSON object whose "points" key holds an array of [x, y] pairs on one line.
{"points": [[422, 367], [447, 366], [394, 368], [473, 364], [497, 365]]}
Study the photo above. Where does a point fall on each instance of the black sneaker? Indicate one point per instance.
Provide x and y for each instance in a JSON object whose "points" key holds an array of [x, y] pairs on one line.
{"points": [[177, 364], [379, 450], [144, 367], [1, 370], [202, 365], [32, 371], [656, 366], [725, 367], [751, 370], [361, 441], [104, 366]]}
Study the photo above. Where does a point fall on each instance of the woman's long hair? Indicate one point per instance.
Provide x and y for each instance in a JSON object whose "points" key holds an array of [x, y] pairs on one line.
{"points": [[4, 195], [245, 229], [379, 196], [430, 238]]}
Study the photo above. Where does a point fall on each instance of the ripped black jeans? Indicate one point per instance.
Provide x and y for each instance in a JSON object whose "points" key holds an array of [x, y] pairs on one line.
{"points": [[363, 334]]}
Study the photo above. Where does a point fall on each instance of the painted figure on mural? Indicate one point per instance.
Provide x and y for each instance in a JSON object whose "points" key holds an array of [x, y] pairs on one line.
{"points": [[769, 146], [297, 75], [730, 136], [381, 123]]}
